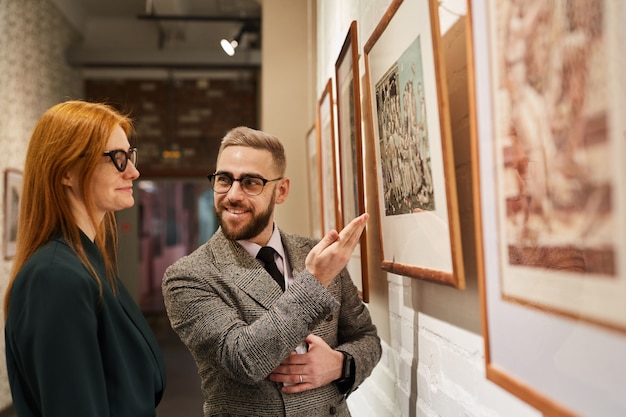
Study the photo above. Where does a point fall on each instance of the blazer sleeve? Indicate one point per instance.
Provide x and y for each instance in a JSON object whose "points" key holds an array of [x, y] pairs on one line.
{"points": [[228, 322]]}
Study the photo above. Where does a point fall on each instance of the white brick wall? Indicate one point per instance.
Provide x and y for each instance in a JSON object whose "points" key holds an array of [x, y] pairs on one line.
{"points": [[377, 395], [432, 369], [438, 369]]}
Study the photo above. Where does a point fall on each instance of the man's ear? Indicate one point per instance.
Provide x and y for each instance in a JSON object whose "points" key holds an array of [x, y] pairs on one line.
{"points": [[283, 190]]}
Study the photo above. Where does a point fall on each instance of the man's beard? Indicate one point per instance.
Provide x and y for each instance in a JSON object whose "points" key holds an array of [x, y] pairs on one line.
{"points": [[247, 231]]}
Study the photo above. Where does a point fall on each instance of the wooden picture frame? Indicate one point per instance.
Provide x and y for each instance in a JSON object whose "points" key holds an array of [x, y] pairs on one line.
{"points": [[327, 159], [416, 185], [313, 165], [350, 152], [12, 195], [560, 348]]}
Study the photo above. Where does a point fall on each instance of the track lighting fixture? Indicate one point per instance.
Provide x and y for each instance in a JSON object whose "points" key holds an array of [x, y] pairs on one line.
{"points": [[229, 46]]}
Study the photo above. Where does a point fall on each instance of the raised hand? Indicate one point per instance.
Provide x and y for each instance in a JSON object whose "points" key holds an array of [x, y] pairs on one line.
{"points": [[333, 252]]}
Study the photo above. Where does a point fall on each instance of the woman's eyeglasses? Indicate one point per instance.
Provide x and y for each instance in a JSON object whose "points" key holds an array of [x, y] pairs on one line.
{"points": [[120, 158], [250, 185]]}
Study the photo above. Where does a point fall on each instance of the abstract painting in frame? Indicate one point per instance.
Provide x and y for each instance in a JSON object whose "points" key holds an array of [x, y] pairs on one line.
{"points": [[419, 216], [350, 152], [549, 144], [327, 158], [12, 195]]}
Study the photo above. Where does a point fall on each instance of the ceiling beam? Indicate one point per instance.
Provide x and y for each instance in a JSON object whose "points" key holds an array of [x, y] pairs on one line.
{"points": [[175, 58], [245, 20]]}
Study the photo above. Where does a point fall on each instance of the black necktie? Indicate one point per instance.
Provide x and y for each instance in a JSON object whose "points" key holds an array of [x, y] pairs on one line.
{"points": [[266, 254]]}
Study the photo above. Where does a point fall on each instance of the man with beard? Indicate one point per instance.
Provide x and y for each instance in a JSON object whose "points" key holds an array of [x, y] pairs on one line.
{"points": [[262, 350]]}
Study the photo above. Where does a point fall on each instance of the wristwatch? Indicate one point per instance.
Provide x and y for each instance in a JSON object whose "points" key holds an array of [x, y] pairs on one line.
{"points": [[347, 372], [345, 383]]}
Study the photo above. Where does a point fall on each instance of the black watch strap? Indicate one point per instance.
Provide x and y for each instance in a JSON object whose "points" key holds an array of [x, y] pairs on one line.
{"points": [[346, 381], [348, 364]]}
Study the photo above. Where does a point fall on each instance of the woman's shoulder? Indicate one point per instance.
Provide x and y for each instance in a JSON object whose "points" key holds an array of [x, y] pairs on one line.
{"points": [[55, 262], [54, 254]]}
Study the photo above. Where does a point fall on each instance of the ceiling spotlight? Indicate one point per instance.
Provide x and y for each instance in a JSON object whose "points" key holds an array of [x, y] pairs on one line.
{"points": [[229, 46]]}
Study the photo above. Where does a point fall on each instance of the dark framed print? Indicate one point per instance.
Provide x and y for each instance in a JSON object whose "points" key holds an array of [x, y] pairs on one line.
{"points": [[549, 144], [313, 166], [419, 216], [12, 195], [350, 152], [327, 159]]}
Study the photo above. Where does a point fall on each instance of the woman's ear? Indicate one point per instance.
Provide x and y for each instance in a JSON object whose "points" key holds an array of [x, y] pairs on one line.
{"points": [[68, 179]]}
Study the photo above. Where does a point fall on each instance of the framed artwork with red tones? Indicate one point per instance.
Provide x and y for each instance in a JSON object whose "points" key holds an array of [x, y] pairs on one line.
{"points": [[549, 141]]}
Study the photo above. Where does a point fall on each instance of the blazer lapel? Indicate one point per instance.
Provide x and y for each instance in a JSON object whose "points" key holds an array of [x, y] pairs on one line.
{"points": [[134, 314], [296, 250], [245, 271]]}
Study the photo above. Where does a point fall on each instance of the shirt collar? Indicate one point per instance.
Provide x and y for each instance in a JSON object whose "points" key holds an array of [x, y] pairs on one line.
{"points": [[275, 242]]}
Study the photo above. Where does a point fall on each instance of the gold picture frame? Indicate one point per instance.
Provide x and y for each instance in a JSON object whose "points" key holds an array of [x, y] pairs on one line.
{"points": [[416, 186], [327, 159], [12, 195], [350, 152]]}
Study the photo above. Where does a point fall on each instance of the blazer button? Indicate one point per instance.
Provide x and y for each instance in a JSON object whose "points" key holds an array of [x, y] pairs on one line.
{"points": [[311, 326], [332, 410], [329, 318]]}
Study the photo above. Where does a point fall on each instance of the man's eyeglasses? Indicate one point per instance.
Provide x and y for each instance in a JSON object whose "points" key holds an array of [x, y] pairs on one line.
{"points": [[252, 186], [120, 158]]}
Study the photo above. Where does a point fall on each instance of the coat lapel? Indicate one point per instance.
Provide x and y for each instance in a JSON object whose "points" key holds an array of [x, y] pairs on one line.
{"points": [[245, 271], [248, 274], [297, 249]]}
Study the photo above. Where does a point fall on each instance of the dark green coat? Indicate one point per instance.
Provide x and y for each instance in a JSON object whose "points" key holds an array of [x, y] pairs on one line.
{"points": [[71, 353]]}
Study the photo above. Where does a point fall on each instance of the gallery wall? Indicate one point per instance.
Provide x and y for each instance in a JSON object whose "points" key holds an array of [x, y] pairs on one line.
{"points": [[33, 77], [435, 359]]}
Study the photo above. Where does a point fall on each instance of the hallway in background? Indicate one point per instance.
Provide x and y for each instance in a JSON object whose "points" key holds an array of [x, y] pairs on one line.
{"points": [[175, 216], [183, 396]]}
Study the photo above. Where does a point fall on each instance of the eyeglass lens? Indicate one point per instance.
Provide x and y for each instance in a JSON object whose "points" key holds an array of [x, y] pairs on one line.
{"points": [[222, 183], [120, 158]]}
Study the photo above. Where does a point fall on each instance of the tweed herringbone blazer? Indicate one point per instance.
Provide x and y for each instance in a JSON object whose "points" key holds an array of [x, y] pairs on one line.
{"points": [[239, 326]]}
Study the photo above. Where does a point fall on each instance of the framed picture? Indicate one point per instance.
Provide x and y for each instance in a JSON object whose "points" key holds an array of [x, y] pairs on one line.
{"points": [[416, 185], [551, 218], [327, 159], [350, 152], [314, 182], [12, 194]]}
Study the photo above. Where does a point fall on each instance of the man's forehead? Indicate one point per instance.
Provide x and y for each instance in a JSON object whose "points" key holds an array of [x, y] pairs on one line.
{"points": [[245, 160]]}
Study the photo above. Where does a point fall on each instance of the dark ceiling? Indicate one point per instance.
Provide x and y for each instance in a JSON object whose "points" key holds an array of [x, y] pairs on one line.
{"points": [[163, 33]]}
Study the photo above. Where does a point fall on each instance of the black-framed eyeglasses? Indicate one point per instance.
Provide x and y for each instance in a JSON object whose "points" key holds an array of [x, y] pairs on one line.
{"points": [[120, 158], [250, 185]]}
